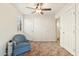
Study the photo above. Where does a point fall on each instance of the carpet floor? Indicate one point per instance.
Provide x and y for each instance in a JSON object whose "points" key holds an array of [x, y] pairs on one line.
{"points": [[44, 48]]}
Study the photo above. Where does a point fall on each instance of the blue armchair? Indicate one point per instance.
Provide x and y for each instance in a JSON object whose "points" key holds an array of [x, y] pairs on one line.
{"points": [[20, 45]]}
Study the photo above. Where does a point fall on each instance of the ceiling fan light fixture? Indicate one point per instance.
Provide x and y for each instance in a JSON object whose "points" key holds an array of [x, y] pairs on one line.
{"points": [[38, 11], [39, 8]]}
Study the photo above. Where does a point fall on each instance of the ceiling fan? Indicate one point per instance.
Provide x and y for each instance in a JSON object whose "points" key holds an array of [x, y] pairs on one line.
{"points": [[39, 9]]}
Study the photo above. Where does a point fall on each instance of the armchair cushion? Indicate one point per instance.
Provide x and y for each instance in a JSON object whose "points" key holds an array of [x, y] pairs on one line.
{"points": [[21, 45], [22, 48]]}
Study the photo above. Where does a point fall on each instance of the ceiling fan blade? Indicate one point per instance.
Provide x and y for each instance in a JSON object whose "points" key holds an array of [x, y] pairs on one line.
{"points": [[38, 5], [46, 9], [30, 8], [41, 13]]}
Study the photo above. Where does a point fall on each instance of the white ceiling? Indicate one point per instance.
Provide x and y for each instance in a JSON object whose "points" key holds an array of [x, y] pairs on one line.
{"points": [[56, 7]]}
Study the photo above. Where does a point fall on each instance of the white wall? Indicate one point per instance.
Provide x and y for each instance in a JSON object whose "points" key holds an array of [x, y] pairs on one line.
{"points": [[40, 27], [8, 26]]}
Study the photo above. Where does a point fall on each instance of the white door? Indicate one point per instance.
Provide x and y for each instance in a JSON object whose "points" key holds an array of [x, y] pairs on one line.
{"points": [[77, 29], [67, 31]]}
